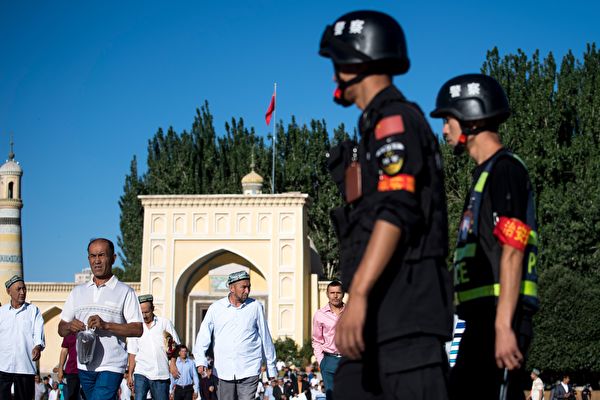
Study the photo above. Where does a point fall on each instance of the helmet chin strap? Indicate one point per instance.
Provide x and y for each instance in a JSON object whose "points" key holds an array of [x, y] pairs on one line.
{"points": [[462, 139], [338, 94], [460, 147]]}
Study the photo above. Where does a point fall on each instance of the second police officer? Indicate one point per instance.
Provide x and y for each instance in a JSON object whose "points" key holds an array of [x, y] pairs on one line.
{"points": [[393, 227], [495, 260]]}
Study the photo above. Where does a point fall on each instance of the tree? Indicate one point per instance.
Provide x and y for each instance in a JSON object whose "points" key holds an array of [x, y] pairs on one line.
{"points": [[131, 223], [202, 162]]}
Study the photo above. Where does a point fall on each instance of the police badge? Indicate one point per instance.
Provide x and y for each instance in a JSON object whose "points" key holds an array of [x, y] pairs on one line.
{"points": [[390, 157]]}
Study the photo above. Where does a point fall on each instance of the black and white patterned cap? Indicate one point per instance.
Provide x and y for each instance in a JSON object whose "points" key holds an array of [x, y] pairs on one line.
{"points": [[14, 279], [237, 276]]}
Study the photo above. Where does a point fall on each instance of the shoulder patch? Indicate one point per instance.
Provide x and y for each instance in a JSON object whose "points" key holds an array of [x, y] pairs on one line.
{"points": [[398, 182], [388, 126]]}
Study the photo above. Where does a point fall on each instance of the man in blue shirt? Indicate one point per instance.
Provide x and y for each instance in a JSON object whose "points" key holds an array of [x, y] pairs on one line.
{"points": [[186, 386], [241, 336]]}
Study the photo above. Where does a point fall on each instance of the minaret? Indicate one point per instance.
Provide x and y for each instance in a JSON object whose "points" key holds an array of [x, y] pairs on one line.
{"points": [[11, 259]]}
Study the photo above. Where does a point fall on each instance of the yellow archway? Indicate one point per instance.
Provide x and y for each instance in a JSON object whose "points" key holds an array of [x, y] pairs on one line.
{"points": [[203, 282], [50, 355]]}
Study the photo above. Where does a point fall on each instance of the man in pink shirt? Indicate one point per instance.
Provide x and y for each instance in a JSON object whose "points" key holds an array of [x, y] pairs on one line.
{"points": [[323, 335]]}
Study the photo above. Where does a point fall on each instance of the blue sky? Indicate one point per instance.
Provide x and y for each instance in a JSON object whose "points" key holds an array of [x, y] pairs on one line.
{"points": [[84, 85]]}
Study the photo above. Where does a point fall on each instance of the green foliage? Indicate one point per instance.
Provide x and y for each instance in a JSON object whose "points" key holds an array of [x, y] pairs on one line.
{"points": [[202, 162], [131, 223], [287, 350], [301, 166]]}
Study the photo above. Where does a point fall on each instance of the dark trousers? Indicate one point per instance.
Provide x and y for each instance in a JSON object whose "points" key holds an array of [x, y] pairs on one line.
{"points": [[239, 389], [73, 387], [475, 375], [24, 388], [407, 368], [183, 392]]}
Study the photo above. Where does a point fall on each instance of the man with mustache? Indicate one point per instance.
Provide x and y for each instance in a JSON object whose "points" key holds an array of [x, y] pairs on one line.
{"points": [[240, 335], [110, 308]]}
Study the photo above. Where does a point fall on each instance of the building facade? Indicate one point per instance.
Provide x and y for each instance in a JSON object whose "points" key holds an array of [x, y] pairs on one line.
{"points": [[190, 245]]}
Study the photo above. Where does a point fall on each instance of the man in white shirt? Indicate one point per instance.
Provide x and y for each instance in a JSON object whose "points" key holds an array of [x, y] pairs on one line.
{"points": [[537, 387], [149, 354], [21, 341], [110, 308], [39, 388], [241, 336]]}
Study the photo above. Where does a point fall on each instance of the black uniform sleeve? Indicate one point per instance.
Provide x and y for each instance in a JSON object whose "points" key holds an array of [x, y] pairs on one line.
{"points": [[509, 189], [398, 156], [509, 194]]}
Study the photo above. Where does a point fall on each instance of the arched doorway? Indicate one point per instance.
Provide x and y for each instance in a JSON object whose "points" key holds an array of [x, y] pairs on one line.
{"points": [[204, 282], [51, 354]]}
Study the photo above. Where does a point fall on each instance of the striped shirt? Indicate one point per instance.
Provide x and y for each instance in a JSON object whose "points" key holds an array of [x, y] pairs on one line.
{"points": [[323, 332], [113, 301]]}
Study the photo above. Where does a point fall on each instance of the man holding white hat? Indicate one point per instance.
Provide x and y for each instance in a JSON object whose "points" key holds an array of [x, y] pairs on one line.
{"points": [[240, 336]]}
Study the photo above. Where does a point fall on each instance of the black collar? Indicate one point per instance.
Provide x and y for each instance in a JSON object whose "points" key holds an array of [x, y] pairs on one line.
{"points": [[372, 110]]}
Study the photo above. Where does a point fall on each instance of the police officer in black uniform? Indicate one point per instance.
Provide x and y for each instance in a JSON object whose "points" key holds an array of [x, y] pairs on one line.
{"points": [[495, 278], [393, 228]]}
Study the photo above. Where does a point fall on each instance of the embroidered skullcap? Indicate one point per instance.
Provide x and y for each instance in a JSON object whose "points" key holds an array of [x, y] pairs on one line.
{"points": [[145, 298], [14, 279], [237, 276]]}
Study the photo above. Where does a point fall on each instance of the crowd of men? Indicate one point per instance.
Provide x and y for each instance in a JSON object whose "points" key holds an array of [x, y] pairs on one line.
{"points": [[114, 346], [387, 340]]}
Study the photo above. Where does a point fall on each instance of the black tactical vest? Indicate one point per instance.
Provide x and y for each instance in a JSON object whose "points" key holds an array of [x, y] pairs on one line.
{"points": [[476, 279]]}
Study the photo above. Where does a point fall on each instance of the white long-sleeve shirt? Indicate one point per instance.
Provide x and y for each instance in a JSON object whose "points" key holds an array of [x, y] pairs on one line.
{"points": [[21, 329], [241, 337]]}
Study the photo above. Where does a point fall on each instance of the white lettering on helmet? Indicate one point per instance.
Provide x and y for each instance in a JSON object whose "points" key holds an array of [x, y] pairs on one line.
{"points": [[473, 89], [356, 26], [455, 91], [338, 28]]}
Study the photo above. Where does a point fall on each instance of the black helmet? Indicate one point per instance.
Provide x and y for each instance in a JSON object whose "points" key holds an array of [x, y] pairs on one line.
{"points": [[366, 37], [472, 97]]}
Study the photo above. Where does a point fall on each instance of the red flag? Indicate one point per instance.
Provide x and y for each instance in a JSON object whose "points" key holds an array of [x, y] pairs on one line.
{"points": [[270, 109]]}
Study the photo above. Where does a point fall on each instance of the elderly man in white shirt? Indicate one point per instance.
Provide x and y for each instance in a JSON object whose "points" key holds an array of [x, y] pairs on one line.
{"points": [[241, 337], [148, 360], [21, 341], [537, 387], [109, 307]]}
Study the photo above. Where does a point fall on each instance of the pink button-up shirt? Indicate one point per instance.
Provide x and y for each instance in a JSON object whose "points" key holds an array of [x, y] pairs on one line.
{"points": [[323, 332]]}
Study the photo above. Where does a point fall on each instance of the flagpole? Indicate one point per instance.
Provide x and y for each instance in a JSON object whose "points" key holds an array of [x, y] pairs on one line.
{"points": [[274, 138]]}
